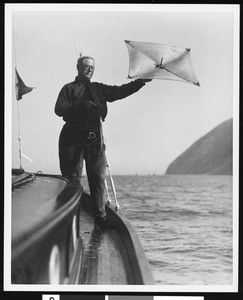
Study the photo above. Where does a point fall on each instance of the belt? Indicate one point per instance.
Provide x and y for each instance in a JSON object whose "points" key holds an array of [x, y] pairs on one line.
{"points": [[87, 134]]}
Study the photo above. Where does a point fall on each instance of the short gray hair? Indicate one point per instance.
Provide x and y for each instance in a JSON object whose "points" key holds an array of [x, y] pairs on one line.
{"points": [[82, 58]]}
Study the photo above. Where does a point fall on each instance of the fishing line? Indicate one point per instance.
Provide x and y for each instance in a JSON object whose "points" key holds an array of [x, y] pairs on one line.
{"points": [[73, 33], [76, 31]]}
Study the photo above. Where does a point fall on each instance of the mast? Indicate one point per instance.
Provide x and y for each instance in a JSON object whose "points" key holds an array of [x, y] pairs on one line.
{"points": [[19, 138], [18, 115]]}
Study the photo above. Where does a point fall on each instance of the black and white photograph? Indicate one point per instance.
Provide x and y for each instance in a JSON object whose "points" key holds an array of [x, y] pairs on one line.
{"points": [[121, 148]]}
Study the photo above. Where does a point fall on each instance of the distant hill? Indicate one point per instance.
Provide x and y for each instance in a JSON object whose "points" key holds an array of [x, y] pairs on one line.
{"points": [[211, 154]]}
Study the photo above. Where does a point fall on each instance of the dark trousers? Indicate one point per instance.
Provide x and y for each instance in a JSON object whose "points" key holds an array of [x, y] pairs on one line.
{"points": [[72, 152]]}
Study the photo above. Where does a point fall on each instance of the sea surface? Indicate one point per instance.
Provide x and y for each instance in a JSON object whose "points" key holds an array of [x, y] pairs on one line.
{"points": [[184, 224]]}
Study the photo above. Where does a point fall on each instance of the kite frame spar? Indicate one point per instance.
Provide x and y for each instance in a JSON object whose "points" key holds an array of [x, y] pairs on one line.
{"points": [[159, 61]]}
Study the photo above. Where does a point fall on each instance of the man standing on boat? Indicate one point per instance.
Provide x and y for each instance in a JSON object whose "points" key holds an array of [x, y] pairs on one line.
{"points": [[83, 106]]}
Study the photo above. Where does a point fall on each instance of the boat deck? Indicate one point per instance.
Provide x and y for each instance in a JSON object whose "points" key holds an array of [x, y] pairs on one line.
{"points": [[33, 202], [105, 258], [109, 257]]}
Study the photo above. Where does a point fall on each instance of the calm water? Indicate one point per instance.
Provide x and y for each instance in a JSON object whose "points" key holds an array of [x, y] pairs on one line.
{"points": [[184, 224]]}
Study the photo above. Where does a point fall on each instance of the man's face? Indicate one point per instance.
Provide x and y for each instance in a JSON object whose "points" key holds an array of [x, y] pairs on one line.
{"points": [[87, 68]]}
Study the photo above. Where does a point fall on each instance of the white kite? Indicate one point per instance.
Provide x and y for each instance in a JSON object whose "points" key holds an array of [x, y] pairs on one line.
{"points": [[158, 61]]}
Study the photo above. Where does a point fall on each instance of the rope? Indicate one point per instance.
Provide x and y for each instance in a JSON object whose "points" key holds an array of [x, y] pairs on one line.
{"points": [[112, 186], [117, 206]]}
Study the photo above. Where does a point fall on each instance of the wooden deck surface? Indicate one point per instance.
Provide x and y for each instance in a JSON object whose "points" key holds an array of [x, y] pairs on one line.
{"points": [[105, 260], [111, 257]]}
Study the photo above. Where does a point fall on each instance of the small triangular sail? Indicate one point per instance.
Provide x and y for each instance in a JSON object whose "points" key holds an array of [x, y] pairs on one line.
{"points": [[158, 61], [21, 88]]}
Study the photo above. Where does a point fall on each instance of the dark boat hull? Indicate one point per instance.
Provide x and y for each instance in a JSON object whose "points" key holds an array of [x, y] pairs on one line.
{"points": [[45, 222], [55, 239]]}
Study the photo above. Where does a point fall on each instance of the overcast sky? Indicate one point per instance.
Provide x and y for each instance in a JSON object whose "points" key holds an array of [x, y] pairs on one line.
{"points": [[146, 131]]}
